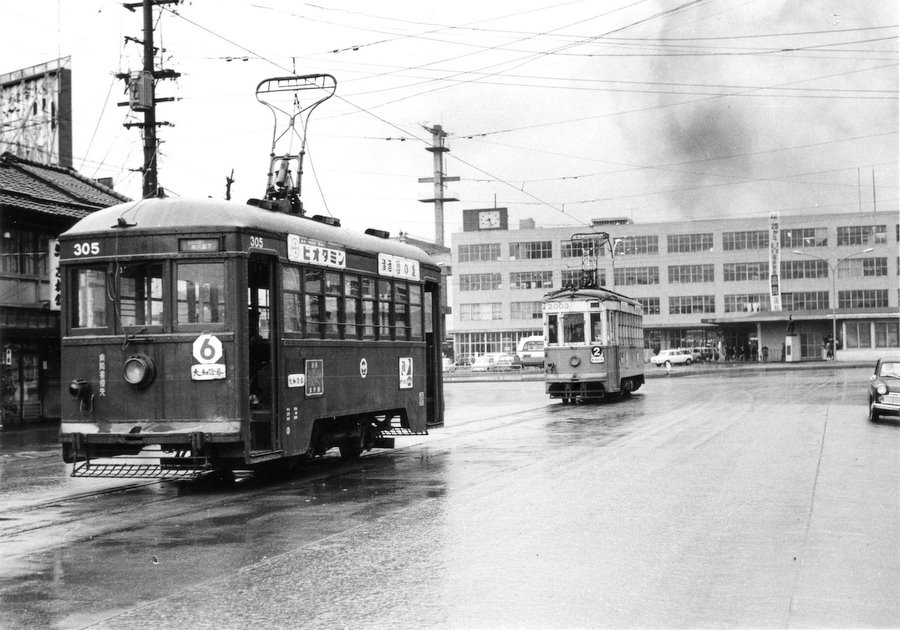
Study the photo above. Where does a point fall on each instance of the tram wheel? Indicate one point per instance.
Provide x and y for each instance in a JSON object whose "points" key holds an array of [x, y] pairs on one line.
{"points": [[350, 449]]}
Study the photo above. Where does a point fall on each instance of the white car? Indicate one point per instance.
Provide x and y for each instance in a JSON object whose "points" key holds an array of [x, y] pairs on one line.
{"points": [[678, 356], [485, 363]]}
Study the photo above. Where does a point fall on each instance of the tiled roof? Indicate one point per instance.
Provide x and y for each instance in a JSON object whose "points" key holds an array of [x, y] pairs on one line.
{"points": [[51, 190]]}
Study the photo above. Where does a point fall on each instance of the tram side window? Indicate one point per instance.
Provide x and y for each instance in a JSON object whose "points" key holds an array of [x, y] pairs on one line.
{"points": [[385, 322], [200, 291], [333, 299], [291, 297], [89, 305], [573, 328], [368, 308], [141, 294], [415, 312], [352, 297], [313, 288], [401, 310]]}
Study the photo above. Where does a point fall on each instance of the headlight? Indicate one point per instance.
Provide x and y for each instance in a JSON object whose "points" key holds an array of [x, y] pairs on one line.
{"points": [[881, 388], [138, 370]]}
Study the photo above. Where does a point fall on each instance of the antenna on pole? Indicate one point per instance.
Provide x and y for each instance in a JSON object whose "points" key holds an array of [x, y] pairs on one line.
{"points": [[282, 95]]}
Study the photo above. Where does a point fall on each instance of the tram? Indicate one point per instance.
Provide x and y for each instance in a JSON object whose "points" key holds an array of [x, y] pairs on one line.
{"points": [[220, 335], [594, 344]]}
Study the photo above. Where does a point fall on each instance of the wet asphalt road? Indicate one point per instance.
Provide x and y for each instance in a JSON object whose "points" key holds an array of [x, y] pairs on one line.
{"points": [[740, 498]]}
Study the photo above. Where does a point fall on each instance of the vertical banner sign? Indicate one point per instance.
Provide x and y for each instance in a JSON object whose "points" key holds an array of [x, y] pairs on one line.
{"points": [[53, 268], [774, 261]]}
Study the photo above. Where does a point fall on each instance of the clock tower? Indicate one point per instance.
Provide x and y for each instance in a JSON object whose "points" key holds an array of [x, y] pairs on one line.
{"points": [[480, 219]]}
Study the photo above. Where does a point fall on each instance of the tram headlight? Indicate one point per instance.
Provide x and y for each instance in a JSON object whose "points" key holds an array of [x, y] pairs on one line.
{"points": [[139, 370]]}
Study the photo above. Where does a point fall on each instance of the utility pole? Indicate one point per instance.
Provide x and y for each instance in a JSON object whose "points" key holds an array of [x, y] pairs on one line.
{"points": [[438, 149], [142, 97]]}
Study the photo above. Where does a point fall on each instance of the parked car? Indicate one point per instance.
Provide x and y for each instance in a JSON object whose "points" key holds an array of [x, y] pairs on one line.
{"points": [[884, 389], [508, 362], [675, 356], [464, 361], [485, 363]]}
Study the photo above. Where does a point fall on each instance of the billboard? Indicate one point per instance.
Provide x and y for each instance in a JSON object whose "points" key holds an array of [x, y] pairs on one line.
{"points": [[36, 113]]}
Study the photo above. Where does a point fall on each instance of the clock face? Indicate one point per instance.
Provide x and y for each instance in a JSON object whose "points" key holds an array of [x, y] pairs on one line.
{"points": [[489, 219]]}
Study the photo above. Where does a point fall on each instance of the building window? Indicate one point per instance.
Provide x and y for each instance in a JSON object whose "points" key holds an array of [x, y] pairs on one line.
{"points": [[740, 272], [480, 312], [804, 237], [689, 304], [575, 278], [862, 235], [650, 304], [634, 245], [685, 274], [863, 268], [479, 252], [735, 241], [887, 334], [804, 301], [859, 334], [24, 256], [863, 298], [747, 303], [525, 310], [479, 282], [627, 276], [800, 269], [579, 248], [531, 250], [531, 280], [689, 243]]}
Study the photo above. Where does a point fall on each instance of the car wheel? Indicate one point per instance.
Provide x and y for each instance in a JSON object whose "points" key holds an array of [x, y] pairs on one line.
{"points": [[688, 362], [873, 412]]}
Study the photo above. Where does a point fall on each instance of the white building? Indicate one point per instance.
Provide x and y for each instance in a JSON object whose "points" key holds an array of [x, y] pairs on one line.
{"points": [[702, 282]]}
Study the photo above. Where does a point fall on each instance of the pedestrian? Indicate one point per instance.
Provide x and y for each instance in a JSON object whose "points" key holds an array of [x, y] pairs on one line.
{"points": [[765, 354], [668, 368]]}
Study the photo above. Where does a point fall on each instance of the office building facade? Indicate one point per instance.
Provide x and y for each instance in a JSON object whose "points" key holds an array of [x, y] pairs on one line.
{"points": [[703, 283]]}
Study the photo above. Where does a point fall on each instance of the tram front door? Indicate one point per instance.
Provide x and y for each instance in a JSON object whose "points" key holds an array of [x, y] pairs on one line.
{"points": [[261, 353]]}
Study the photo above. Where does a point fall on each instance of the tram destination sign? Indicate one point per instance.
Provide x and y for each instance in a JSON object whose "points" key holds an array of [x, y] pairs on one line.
{"points": [[398, 267]]}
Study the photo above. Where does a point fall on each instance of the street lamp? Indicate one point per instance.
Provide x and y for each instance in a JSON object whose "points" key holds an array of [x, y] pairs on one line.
{"points": [[833, 300]]}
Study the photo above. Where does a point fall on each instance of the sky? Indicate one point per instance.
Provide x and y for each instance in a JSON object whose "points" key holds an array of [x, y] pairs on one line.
{"points": [[562, 112]]}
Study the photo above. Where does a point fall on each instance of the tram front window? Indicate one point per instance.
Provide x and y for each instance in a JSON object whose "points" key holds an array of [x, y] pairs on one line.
{"points": [[89, 305], [141, 294], [201, 293], [573, 328]]}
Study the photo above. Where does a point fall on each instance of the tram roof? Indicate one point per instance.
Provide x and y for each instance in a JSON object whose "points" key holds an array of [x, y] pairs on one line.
{"points": [[589, 294], [183, 214]]}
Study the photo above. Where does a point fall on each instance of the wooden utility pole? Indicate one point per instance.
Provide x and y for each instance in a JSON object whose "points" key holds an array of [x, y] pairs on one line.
{"points": [[438, 149], [142, 96]]}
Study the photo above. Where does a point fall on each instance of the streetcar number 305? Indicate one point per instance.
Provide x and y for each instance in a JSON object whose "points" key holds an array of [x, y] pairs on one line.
{"points": [[87, 249]]}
